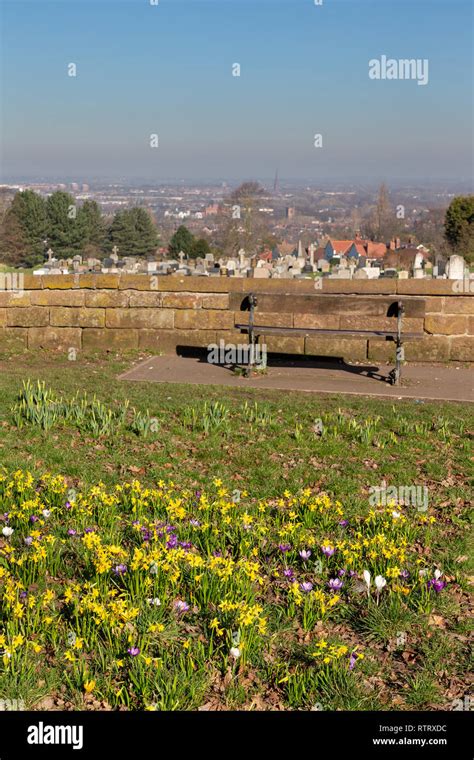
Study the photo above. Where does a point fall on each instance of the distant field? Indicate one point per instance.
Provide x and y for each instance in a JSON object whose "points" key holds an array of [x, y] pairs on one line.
{"points": [[284, 475]]}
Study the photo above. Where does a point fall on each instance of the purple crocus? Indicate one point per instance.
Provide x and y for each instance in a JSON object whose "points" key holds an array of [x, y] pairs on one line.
{"points": [[195, 523], [404, 574], [34, 518], [284, 547], [185, 544], [68, 505], [343, 523], [133, 651], [181, 606], [327, 550], [335, 584], [305, 554], [88, 530], [172, 543], [120, 569], [341, 572], [306, 587], [436, 584], [28, 540], [71, 532], [288, 573], [352, 660]]}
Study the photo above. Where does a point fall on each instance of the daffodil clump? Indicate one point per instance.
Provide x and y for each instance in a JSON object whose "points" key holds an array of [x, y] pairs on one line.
{"points": [[142, 595]]}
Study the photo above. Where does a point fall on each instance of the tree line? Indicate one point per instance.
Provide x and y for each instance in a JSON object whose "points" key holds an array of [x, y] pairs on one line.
{"points": [[32, 224]]}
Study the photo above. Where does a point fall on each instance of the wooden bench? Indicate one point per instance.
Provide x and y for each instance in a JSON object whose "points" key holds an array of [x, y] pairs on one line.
{"points": [[384, 307]]}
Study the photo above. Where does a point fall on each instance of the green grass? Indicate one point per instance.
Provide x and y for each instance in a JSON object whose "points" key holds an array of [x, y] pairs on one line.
{"points": [[267, 442]]}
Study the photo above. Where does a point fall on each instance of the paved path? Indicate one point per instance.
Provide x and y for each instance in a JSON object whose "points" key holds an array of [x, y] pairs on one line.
{"points": [[420, 381]]}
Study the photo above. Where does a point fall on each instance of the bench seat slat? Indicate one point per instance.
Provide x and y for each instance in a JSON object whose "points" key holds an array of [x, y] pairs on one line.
{"points": [[259, 329]]}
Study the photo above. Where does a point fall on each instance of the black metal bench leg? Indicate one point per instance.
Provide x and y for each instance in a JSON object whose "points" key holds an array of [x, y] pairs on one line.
{"points": [[251, 357], [400, 352]]}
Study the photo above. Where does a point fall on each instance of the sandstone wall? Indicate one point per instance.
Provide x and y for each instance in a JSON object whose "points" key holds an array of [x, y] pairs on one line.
{"points": [[107, 312]]}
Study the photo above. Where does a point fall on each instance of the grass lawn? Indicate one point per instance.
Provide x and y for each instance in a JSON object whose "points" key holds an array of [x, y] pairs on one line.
{"points": [[230, 572]]}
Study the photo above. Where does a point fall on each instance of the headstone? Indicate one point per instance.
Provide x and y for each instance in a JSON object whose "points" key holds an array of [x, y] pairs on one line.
{"points": [[261, 273], [403, 274], [455, 268]]}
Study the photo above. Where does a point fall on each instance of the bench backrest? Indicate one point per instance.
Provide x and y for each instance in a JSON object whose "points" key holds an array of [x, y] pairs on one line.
{"points": [[322, 304]]}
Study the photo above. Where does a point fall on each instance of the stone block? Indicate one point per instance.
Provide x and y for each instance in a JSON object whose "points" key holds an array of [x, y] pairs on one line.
{"points": [[32, 316], [93, 339], [61, 316], [441, 324], [351, 349], [60, 338], [103, 299], [140, 318]]}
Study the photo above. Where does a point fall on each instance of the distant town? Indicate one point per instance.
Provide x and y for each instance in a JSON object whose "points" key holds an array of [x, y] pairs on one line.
{"points": [[280, 230]]}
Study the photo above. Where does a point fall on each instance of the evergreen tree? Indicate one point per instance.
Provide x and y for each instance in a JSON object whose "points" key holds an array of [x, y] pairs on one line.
{"points": [[64, 229], [91, 225], [459, 226], [24, 230], [182, 240], [200, 248], [133, 232]]}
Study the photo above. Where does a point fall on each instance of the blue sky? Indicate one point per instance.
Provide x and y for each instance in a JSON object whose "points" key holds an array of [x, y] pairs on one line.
{"points": [[167, 69]]}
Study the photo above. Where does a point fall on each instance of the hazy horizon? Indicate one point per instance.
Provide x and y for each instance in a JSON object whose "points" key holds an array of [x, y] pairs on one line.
{"points": [[167, 70]]}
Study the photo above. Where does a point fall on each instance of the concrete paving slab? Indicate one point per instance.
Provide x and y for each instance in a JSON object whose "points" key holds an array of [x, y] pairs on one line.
{"points": [[419, 381]]}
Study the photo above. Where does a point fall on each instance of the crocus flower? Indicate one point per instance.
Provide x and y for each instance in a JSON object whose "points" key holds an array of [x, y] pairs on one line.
{"points": [[288, 572], [235, 652], [28, 540], [154, 602], [342, 571], [437, 574], [71, 532], [284, 547], [436, 584], [343, 523], [133, 651], [306, 586], [7, 531], [380, 582], [305, 554], [172, 543], [327, 550], [34, 518], [181, 606], [404, 574], [68, 505], [46, 513], [366, 575], [194, 523], [335, 584], [353, 659], [120, 569]]}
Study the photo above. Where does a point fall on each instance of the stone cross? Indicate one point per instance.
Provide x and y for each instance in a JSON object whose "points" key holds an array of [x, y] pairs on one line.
{"points": [[181, 256], [50, 254]]}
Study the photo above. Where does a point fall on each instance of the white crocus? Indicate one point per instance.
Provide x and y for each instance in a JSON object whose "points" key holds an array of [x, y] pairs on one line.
{"points": [[366, 575], [155, 601], [380, 582], [396, 514], [7, 531], [235, 652], [437, 574], [46, 513]]}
